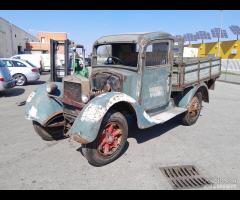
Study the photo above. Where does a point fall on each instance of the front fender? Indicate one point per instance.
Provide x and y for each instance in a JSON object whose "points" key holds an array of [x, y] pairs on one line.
{"points": [[40, 107], [190, 92], [88, 122]]}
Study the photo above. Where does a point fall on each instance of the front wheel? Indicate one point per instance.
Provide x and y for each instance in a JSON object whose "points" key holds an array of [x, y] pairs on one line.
{"points": [[48, 134], [110, 142], [194, 109]]}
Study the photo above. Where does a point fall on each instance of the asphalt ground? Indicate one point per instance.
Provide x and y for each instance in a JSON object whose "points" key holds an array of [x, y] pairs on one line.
{"points": [[212, 145]]}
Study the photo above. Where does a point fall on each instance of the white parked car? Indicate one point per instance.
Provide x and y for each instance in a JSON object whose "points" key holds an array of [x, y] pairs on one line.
{"points": [[21, 70], [35, 59]]}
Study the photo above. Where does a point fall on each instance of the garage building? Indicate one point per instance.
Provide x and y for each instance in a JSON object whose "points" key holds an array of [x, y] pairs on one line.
{"points": [[13, 39]]}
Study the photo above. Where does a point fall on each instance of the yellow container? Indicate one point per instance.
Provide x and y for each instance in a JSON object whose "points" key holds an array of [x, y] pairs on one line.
{"points": [[228, 49]]}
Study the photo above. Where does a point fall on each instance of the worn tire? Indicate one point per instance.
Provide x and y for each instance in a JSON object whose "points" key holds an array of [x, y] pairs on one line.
{"points": [[91, 152], [23, 79], [188, 119], [48, 134]]}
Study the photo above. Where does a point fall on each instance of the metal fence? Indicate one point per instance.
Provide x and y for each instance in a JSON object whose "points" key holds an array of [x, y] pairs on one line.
{"points": [[230, 71]]}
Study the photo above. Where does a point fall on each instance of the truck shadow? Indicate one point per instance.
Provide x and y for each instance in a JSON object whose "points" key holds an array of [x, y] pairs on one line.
{"points": [[124, 149], [36, 82], [12, 92], [143, 135]]}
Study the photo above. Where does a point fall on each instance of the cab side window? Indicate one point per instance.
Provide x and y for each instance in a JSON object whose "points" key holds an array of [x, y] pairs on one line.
{"points": [[7, 63], [18, 64], [157, 54]]}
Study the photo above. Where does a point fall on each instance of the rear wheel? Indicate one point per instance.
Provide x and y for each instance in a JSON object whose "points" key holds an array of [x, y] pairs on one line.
{"points": [[48, 134], [194, 109], [20, 78], [110, 142]]}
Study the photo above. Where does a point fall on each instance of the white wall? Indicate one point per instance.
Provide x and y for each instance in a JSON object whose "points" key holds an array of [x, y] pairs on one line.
{"points": [[231, 65], [190, 52], [11, 37]]}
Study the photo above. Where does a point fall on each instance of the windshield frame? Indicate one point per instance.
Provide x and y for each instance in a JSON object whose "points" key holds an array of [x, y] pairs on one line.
{"points": [[132, 68]]}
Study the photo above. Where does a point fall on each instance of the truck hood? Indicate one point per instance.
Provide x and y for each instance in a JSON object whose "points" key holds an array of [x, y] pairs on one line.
{"points": [[128, 78], [114, 70]]}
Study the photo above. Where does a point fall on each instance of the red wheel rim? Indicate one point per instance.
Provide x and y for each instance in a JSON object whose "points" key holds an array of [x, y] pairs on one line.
{"points": [[110, 139]]}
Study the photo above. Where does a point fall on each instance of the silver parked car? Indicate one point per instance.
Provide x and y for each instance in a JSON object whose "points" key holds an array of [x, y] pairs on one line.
{"points": [[6, 80], [21, 70]]}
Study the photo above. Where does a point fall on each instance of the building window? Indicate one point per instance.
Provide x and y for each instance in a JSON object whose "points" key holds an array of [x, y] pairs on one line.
{"points": [[19, 49], [43, 39]]}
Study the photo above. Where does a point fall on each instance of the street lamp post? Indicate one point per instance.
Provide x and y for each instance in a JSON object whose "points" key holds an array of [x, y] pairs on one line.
{"points": [[220, 34]]}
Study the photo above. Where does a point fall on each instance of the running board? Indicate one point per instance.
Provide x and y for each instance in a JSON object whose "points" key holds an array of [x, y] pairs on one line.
{"points": [[167, 115]]}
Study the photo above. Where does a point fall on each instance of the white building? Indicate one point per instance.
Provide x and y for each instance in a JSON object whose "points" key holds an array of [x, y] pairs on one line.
{"points": [[13, 39]]}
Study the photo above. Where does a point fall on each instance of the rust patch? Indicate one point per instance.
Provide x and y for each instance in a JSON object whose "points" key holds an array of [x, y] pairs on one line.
{"points": [[55, 114], [79, 139]]}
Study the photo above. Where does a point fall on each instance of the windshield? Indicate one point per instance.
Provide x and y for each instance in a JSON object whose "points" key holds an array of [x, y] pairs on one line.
{"points": [[125, 54]]}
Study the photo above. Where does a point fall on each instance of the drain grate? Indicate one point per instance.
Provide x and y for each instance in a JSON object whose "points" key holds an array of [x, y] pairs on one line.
{"points": [[184, 177]]}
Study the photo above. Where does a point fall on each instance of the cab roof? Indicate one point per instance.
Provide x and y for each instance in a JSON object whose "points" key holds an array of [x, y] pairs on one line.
{"points": [[133, 37]]}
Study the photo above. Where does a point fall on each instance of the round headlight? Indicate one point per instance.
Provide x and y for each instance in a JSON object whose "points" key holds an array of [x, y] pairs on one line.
{"points": [[85, 98], [51, 87]]}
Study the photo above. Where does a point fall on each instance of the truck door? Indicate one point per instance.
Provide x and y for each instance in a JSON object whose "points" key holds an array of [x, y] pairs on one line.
{"points": [[156, 81]]}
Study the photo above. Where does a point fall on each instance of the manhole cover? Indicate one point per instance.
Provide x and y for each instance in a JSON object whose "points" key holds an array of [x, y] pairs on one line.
{"points": [[184, 177]]}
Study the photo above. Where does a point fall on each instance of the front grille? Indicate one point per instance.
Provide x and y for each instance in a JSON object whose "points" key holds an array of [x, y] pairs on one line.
{"points": [[72, 91], [71, 110], [184, 177]]}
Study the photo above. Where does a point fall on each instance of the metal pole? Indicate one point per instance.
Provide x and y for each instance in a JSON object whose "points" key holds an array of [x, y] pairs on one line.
{"points": [[83, 57], [66, 57], [74, 57], [220, 34], [52, 61]]}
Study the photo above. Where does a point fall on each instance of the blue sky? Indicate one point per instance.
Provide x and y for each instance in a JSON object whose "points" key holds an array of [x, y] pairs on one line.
{"points": [[85, 26]]}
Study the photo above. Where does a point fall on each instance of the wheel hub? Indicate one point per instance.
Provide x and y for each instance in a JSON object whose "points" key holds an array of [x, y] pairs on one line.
{"points": [[19, 79], [194, 107], [110, 139]]}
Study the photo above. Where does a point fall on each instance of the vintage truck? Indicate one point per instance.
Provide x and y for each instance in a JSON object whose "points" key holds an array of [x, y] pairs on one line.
{"points": [[141, 74]]}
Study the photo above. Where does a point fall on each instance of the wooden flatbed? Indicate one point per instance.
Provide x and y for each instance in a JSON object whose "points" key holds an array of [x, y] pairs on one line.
{"points": [[192, 71]]}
